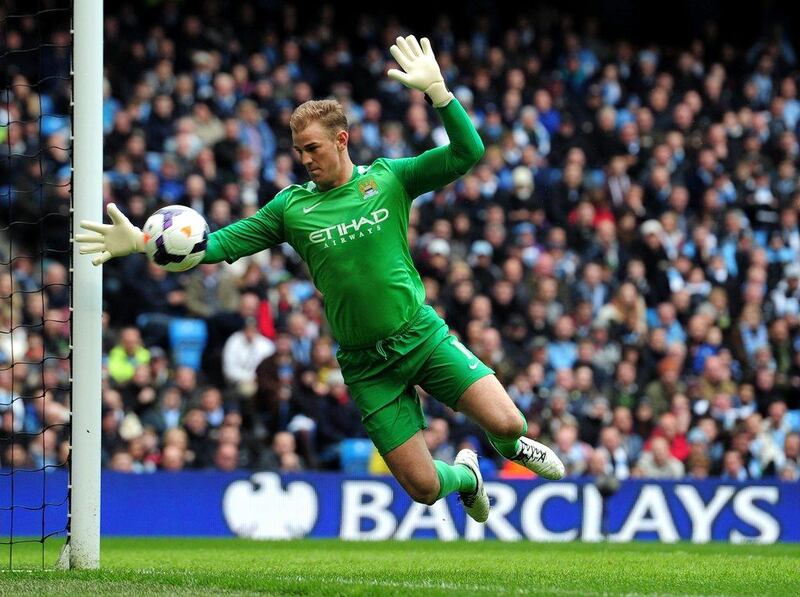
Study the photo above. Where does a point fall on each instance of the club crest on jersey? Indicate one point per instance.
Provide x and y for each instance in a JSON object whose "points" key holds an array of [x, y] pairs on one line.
{"points": [[368, 188]]}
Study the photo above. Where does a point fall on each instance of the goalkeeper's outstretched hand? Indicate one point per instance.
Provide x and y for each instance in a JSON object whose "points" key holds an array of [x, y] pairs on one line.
{"points": [[110, 240], [421, 69]]}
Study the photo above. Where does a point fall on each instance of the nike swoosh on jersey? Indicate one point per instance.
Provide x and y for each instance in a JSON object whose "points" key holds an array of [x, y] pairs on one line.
{"points": [[473, 366], [308, 209]]}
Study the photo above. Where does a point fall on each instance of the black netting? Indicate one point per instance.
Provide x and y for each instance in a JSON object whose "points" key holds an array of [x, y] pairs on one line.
{"points": [[35, 278]]}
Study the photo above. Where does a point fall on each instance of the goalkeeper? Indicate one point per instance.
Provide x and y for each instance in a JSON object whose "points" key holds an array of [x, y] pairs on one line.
{"points": [[349, 224]]}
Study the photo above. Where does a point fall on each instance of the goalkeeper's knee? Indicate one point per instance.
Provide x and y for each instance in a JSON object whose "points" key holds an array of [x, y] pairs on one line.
{"points": [[511, 426]]}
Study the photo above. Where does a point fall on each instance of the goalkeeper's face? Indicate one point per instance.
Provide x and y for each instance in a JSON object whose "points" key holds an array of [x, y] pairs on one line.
{"points": [[323, 154]]}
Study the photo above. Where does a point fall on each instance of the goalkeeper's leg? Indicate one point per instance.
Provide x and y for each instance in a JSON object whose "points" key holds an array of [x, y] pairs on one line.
{"points": [[458, 378], [487, 403], [427, 480], [396, 429]]}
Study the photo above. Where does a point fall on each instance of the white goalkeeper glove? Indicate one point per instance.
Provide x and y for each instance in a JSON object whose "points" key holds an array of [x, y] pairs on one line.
{"points": [[421, 69], [110, 240]]}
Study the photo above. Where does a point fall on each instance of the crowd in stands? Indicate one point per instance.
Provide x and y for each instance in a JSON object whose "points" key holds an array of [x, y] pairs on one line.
{"points": [[626, 255]]}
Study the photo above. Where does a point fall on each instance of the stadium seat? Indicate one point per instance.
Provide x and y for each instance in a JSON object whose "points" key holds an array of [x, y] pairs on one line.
{"points": [[354, 455], [154, 328], [187, 339]]}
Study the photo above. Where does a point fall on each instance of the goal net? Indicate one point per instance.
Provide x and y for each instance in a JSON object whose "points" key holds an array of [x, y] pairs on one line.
{"points": [[37, 323]]}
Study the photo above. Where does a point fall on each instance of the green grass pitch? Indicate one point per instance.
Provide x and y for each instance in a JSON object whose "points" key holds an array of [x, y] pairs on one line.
{"points": [[321, 567]]}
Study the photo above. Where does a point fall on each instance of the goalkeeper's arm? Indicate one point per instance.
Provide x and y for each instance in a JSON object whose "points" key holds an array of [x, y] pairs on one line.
{"points": [[263, 230], [437, 167], [260, 231]]}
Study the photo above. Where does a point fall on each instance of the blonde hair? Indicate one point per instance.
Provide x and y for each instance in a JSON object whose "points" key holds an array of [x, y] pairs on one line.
{"points": [[329, 113]]}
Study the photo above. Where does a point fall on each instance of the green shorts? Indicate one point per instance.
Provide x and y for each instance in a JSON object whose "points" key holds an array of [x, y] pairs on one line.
{"points": [[382, 377]]}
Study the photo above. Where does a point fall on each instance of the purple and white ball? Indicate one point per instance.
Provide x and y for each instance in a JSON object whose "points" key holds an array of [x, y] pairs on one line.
{"points": [[175, 238]]}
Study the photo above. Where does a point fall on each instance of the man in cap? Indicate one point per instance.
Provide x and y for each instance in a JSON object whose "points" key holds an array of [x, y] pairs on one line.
{"points": [[655, 259], [484, 271]]}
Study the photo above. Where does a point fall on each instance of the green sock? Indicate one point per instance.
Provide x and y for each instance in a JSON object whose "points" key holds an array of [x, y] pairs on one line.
{"points": [[454, 477], [508, 448]]}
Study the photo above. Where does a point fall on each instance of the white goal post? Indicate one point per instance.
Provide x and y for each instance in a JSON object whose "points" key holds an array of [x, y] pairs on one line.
{"points": [[83, 546]]}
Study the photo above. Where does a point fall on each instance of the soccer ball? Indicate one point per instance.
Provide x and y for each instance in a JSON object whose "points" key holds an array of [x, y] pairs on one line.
{"points": [[175, 238]]}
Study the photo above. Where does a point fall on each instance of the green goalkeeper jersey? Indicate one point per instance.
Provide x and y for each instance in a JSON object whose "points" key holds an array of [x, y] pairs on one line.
{"points": [[354, 237]]}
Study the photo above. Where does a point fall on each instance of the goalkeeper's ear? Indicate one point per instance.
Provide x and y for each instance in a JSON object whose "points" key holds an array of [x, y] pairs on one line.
{"points": [[342, 137]]}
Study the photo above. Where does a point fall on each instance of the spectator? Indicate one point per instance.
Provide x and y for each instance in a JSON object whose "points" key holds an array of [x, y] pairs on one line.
{"points": [[301, 339], [121, 462], [788, 464], [243, 352], [630, 441], [668, 428], [44, 452], [732, 467], [660, 391], [716, 380], [127, 355], [283, 454], [563, 351], [226, 458], [658, 463], [211, 404], [572, 452], [437, 437], [197, 430], [172, 459], [616, 459]]}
